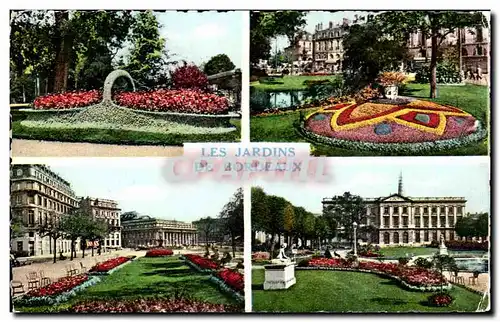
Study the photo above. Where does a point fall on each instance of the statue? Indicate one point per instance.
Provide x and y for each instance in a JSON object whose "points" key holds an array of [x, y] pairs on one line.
{"points": [[281, 254], [442, 247]]}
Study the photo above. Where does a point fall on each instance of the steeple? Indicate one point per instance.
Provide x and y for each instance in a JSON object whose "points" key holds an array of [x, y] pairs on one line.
{"points": [[400, 184]]}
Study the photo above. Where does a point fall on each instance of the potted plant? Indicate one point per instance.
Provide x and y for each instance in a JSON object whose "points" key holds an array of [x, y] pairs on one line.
{"points": [[390, 82]]}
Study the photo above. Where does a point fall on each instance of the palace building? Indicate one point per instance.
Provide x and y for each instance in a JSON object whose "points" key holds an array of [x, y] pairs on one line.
{"points": [[403, 220], [38, 196], [146, 231], [107, 210]]}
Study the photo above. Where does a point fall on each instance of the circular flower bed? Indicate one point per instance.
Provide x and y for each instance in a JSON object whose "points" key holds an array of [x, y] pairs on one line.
{"points": [[440, 299], [159, 252], [380, 125]]}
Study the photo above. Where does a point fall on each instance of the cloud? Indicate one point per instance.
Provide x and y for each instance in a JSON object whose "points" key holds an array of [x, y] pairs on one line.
{"points": [[209, 30]]}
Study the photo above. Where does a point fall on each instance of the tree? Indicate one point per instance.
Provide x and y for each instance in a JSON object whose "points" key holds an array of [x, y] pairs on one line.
{"points": [[465, 227], [51, 227], [74, 226], [274, 223], [259, 211], [218, 64], [17, 228], [267, 25], [482, 225], [309, 227], [435, 25], [443, 262], [320, 229], [147, 55], [344, 211], [232, 217], [367, 52], [207, 226], [289, 221]]}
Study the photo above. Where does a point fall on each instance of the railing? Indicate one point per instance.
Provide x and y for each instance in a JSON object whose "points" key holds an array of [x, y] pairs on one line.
{"points": [[228, 84]]}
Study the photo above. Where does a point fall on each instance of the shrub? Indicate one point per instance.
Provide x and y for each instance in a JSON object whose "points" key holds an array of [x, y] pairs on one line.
{"points": [[423, 263], [440, 299], [403, 260], [159, 252], [303, 263], [254, 78], [189, 76], [446, 73]]}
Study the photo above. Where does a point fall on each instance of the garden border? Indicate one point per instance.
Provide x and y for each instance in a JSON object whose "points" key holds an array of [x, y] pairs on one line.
{"points": [[111, 271], [403, 283], [23, 300]]}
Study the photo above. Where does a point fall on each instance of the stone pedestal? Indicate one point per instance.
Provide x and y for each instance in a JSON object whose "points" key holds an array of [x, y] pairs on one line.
{"points": [[443, 250], [279, 275]]}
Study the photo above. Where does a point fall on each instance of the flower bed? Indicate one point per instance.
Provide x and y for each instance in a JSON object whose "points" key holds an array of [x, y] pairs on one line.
{"points": [[260, 255], [110, 265], [412, 127], [68, 100], [57, 292], [159, 252], [202, 264], [231, 282], [151, 306], [180, 101], [440, 299], [411, 277]]}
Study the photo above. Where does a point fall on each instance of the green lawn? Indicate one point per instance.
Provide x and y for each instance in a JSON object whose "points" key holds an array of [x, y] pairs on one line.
{"points": [[471, 98], [336, 291], [290, 83], [418, 251], [106, 136], [149, 277]]}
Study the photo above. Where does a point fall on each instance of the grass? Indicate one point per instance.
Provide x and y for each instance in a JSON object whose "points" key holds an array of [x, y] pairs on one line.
{"points": [[335, 291], [123, 137], [419, 251], [471, 98], [290, 83], [145, 278]]}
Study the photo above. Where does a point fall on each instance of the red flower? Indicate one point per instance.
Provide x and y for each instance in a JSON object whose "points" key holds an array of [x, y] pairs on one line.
{"points": [[232, 278], [159, 252], [189, 76], [62, 285], [202, 262], [109, 264], [68, 100]]}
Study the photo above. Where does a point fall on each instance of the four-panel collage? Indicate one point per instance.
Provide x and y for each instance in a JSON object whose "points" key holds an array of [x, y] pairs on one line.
{"points": [[125, 196]]}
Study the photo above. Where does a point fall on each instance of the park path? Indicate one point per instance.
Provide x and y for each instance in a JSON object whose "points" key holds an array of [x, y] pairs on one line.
{"points": [[34, 148]]}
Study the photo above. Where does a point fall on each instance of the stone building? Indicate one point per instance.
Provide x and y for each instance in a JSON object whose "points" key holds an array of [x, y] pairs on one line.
{"points": [[402, 220], [150, 232], [39, 195], [327, 46], [302, 53], [107, 210]]}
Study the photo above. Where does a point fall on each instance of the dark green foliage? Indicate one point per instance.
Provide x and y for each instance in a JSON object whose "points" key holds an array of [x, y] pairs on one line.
{"points": [[423, 263], [218, 64]]}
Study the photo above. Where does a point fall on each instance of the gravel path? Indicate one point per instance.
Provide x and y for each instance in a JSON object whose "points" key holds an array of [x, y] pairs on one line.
{"points": [[34, 148]]}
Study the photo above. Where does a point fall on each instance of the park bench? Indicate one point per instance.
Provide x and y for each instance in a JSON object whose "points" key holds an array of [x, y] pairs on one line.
{"points": [[17, 288], [33, 281], [71, 270]]}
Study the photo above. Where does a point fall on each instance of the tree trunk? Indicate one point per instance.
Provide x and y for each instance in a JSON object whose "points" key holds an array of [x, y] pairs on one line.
{"points": [[55, 250], [83, 248], [92, 250], [233, 245], [63, 51], [433, 66], [71, 249], [271, 252]]}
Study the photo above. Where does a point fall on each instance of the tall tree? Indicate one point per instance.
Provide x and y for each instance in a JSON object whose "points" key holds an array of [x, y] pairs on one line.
{"points": [[51, 227], [345, 210], [207, 227], [482, 225], [232, 218], [218, 64], [259, 211], [74, 226], [274, 223], [465, 227], [289, 221], [435, 25]]}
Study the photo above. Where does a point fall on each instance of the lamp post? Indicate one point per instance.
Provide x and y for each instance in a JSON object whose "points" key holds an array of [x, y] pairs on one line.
{"points": [[355, 225]]}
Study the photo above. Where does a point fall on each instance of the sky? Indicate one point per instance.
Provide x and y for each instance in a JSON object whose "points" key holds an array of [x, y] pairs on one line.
{"points": [[197, 36], [140, 186], [378, 177], [315, 17]]}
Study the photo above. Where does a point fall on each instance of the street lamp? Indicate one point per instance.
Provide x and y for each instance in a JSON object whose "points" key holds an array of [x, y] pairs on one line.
{"points": [[355, 225]]}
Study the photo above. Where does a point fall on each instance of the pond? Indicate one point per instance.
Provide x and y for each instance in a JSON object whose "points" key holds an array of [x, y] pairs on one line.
{"points": [[266, 100], [472, 264]]}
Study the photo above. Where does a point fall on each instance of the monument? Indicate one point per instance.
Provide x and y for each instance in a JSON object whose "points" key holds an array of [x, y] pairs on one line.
{"points": [[442, 247], [280, 274]]}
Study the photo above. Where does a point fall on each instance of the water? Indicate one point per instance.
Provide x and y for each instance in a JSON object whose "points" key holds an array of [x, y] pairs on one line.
{"points": [[472, 264], [265, 100]]}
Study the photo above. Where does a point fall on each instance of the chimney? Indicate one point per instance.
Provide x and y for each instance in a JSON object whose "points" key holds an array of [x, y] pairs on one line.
{"points": [[345, 21], [331, 25], [321, 26]]}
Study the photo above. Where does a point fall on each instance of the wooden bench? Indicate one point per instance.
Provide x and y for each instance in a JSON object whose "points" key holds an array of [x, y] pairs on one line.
{"points": [[17, 288]]}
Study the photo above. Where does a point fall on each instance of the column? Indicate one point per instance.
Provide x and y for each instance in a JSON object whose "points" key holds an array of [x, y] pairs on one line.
{"points": [[391, 211], [390, 237], [454, 215], [446, 214], [367, 216], [381, 216], [400, 211], [381, 237], [421, 214], [439, 217], [429, 223]]}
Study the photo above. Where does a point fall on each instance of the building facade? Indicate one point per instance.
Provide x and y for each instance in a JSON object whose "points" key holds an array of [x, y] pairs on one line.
{"points": [[149, 232], [473, 44], [39, 196], [302, 52], [402, 220], [107, 210]]}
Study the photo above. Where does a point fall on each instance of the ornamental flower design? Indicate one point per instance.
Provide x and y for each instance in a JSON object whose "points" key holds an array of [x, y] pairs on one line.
{"points": [[232, 278], [376, 123], [109, 264], [159, 252]]}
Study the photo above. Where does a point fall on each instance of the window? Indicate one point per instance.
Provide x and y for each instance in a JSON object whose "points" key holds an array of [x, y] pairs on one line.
{"points": [[405, 221], [396, 238], [417, 221], [19, 172], [112, 242], [405, 237], [19, 246], [31, 234], [434, 236], [417, 236], [426, 210], [405, 210], [386, 238], [426, 236], [434, 210]]}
